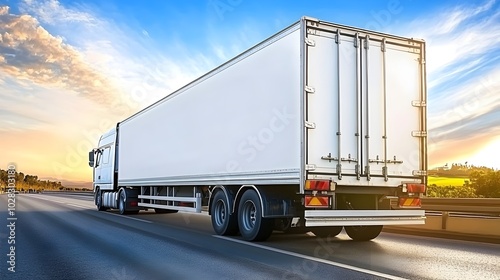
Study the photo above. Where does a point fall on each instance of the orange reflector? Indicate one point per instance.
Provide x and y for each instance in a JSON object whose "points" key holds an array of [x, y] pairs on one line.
{"points": [[317, 201], [415, 188], [315, 185], [410, 202]]}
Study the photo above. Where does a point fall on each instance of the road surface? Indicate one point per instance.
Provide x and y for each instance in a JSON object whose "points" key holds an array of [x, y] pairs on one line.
{"points": [[64, 237]]}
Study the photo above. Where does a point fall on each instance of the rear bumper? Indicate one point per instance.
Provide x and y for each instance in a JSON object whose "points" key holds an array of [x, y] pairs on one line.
{"points": [[316, 218]]}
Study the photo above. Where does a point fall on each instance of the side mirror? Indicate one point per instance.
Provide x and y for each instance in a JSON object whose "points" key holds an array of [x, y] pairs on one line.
{"points": [[91, 158]]}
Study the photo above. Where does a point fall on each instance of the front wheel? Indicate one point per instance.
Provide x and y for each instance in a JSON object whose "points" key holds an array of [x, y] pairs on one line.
{"points": [[98, 201], [253, 227], [363, 233], [122, 207]]}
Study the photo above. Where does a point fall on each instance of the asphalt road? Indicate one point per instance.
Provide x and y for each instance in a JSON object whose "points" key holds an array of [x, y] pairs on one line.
{"points": [[64, 237]]}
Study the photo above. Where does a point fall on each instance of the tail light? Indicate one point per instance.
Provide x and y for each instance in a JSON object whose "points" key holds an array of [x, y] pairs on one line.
{"points": [[317, 185], [319, 201], [413, 188], [410, 194], [410, 202]]}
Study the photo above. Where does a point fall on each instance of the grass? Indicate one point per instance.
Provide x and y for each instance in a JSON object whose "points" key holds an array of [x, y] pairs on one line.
{"points": [[446, 181]]}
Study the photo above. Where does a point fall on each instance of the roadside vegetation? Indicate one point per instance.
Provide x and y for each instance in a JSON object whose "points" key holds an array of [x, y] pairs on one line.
{"points": [[464, 181], [31, 183]]}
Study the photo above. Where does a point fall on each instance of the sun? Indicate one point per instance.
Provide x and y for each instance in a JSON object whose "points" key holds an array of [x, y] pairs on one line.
{"points": [[488, 156]]}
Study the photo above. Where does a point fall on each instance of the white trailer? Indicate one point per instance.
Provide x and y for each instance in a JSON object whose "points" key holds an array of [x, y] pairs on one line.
{"points": [[319, 127]]}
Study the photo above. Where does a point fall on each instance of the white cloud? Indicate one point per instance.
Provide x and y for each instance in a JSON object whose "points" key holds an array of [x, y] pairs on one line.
{"points": [[460, 43], [463, 44], [52, 12], [4, 10], [30, 52]]}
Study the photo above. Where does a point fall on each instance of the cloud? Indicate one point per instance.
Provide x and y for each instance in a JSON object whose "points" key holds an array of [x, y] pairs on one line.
{"points": [[141, 72], [463, 50], [4, 10], [450, 20], [28, 51], [463, 35], [52, 12]]}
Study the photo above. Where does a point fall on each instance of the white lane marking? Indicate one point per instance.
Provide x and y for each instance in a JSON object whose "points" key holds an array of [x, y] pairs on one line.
{"points": [[346, 266], [132, 218]]}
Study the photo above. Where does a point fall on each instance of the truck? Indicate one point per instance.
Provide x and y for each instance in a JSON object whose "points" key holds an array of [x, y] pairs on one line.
{"points": [[321, 127]]}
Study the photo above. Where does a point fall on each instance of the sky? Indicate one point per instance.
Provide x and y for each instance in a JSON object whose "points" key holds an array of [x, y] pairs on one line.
{"points": [[69, 70]]}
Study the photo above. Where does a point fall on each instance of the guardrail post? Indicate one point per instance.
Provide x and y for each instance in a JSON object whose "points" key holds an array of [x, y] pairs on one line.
{"points": [[444, 220]]}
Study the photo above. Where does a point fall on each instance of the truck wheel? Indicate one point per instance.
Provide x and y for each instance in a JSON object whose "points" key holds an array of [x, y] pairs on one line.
{"points": [[363, 233], [253, 227], [165, 211], [326, 231], [223, 222], [122, 203], [98, 201], [122, 207]]}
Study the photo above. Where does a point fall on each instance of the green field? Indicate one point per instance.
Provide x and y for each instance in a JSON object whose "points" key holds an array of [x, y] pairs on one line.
{"points": [[446, 181]]}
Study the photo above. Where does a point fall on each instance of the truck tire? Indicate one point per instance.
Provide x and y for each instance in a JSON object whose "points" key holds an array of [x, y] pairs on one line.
{"points": [[363, 233], [223, 222], [98, 201], [253, 227], [122, 206], [326, 231]]}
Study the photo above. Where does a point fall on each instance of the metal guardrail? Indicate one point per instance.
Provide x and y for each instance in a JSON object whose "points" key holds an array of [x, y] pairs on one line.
{"points": [[489, 206]]}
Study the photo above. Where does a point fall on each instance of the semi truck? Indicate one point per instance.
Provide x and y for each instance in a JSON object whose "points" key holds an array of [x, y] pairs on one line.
{"points": [[319, 128]]}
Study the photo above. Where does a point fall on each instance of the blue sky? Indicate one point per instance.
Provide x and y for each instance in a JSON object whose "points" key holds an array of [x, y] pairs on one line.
{"points": [[70, 69]]}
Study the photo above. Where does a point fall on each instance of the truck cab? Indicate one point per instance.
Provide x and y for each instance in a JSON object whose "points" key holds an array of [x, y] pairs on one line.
{"points": [[102, 161]]}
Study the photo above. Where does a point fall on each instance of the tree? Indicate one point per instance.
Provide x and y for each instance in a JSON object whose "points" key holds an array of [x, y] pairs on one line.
{"points": [[19, 176], [31, 180], [486, 182], [24, 182]]}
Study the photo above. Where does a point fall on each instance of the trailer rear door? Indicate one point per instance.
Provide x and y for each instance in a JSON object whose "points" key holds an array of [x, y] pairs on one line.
{"points": [[365, 105]]}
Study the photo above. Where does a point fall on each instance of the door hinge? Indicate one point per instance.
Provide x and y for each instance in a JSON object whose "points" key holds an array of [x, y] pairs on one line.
{"points": [[418, 103], [310, 42], [310, 125], [310, 89], [367, 42], [383, 45], [419, 133], [310, 167], [337, 37], [419, 172]]}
